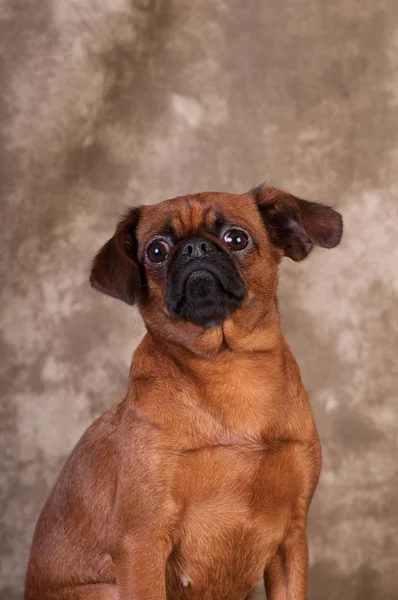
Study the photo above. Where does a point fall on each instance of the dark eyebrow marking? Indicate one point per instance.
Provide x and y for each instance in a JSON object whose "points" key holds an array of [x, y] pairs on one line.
{"points": [[218, 224], [168, 231]]}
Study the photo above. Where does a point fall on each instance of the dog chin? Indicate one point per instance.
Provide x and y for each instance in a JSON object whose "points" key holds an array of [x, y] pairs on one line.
{"points": [[204, 301], [207, 316]]}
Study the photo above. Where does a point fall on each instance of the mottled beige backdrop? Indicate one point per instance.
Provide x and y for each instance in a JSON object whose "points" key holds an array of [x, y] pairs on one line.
{"points": [[105, 103]]}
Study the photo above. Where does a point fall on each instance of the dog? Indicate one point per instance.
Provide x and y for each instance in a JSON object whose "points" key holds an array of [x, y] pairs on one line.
{"points": [[198, 483]]}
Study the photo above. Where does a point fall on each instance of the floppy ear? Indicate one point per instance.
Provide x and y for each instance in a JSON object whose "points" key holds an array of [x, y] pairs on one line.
{"points": [[115, 270], [294, 226]]}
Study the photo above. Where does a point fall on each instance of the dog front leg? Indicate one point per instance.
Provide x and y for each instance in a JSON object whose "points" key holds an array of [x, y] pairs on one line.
{"points": [[286, 576], [141, 568]]}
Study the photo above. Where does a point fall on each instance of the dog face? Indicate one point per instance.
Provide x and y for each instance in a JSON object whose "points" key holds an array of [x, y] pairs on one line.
{"points": [[203, 283], [195, 262]]}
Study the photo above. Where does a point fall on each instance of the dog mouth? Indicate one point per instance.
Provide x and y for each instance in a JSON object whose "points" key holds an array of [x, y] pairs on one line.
{"points": [[202, 282], [205, 295]]}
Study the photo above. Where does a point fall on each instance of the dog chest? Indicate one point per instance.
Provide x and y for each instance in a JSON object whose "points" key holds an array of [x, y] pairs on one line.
{"points": [[234, 514]]}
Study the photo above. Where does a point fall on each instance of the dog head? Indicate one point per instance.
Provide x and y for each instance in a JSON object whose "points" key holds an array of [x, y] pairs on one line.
{"points": [[198, 261]]}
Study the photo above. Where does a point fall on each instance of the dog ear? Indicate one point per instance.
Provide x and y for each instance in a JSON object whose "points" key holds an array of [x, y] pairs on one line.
{"points": [[294, 225], [115, 269]]}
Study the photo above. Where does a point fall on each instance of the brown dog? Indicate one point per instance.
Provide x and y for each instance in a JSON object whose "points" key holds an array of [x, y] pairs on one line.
{"points": [[200, 480]]}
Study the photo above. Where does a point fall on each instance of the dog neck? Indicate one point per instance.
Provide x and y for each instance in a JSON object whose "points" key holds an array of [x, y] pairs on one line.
{"points": [[249, 337], [254, 328], [236, 383]]}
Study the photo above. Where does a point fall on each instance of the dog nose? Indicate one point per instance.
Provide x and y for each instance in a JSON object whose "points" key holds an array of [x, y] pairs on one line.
{"points": [[196, 248]]}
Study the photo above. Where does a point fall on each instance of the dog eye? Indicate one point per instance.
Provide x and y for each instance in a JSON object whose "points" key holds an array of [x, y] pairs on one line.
{"points": [[236, 239], [157, 252]]}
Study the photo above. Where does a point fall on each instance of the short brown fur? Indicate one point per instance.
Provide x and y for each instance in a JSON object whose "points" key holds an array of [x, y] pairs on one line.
{"points": [[200, 480]]}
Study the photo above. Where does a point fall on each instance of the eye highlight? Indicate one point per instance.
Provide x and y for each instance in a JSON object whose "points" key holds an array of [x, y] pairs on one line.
{"points": [[237, 239], [157, 251]]}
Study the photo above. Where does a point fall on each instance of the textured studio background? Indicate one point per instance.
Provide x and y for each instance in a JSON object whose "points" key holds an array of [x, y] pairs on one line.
{"points": [[105, 103]]}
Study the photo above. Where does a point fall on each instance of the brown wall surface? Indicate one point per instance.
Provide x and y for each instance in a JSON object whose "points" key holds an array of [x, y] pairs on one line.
{"points": [[106, 103]]}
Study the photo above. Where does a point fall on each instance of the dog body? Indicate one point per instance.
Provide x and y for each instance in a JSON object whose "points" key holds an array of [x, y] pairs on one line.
{"points": [[200, 480]]}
